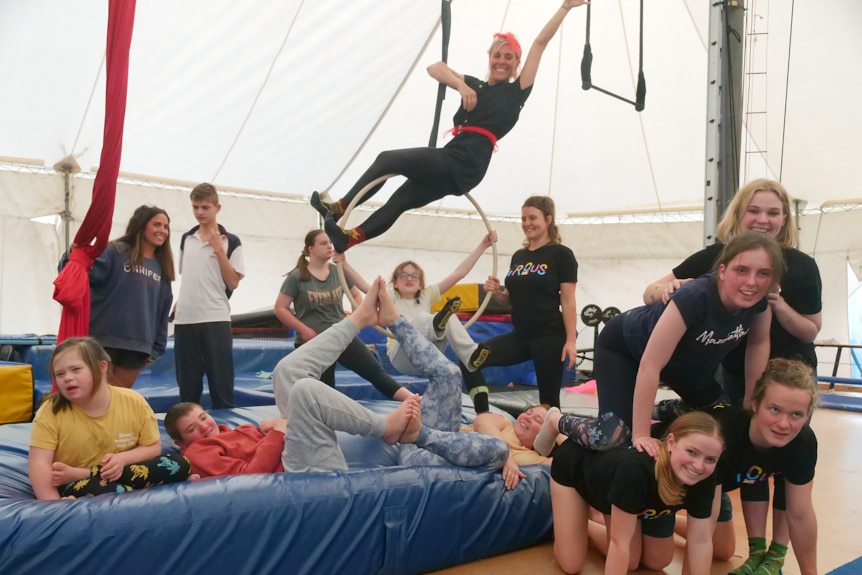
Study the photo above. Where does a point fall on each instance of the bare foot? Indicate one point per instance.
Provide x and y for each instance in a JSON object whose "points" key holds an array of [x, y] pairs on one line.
{"points": [[194, 477], [547, 435], [62, 474], [366, 313], [398, 420], [388, 312], [411, 433]]}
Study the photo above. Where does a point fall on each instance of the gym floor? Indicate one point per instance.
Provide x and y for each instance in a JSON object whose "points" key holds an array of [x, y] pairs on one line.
{"points": [[838, 507]]}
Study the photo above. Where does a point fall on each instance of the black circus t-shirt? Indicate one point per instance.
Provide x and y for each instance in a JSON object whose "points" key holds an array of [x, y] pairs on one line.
{"points": [[624, 477], [745, 464], [533, 281]]}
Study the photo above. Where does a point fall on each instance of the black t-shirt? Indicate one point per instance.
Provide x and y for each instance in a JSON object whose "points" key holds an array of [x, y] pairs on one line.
{"points": [[497, 110], [744, 464], [624, 477], [801, 288], [711, 333], [533, 281]]}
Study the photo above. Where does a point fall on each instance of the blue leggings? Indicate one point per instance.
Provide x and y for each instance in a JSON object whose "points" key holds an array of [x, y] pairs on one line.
{"points": [[439, 440]]}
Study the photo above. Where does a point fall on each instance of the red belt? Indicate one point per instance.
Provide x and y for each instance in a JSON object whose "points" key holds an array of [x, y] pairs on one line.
{"points": [[487, 133]]}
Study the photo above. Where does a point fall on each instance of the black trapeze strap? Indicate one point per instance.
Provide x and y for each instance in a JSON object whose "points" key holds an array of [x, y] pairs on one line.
{"points": [[446, 25], [587, 64]]}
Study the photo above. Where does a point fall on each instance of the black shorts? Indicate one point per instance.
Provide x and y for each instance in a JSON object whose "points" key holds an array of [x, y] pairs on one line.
{"points": [[127, 358]]}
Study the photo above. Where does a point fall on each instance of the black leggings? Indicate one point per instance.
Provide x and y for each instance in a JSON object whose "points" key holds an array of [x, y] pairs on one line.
{"points": [[429, 178], [358, 358], [509, 349], [167, 468]]}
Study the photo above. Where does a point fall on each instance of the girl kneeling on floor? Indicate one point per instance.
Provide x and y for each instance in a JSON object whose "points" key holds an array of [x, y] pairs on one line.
{"points": [[632, 490]]}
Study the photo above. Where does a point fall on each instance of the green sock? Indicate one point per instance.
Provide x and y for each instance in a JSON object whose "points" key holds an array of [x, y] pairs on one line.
{"points": [[756, 551], [773, 561]]}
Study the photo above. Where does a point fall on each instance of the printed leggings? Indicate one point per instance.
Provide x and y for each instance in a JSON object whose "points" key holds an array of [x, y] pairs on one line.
{"points": [[167, 468]]}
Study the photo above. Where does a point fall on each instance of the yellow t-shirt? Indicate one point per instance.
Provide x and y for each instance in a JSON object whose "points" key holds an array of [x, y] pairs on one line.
{"points": [[81, 441], [522, 455]]}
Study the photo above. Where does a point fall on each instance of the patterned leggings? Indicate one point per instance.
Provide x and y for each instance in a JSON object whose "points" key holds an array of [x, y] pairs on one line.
{"points": [[440, 442], [597, 433], [168, 468]]}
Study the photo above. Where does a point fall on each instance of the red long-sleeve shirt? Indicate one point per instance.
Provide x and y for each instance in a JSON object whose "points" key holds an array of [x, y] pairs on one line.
{"points": [[243, 450]]}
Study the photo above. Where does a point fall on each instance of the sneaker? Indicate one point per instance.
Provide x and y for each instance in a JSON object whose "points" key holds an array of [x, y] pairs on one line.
{"points": [[479, 357], [668, 410], [442, 317], [336, 235], [318, 204]]}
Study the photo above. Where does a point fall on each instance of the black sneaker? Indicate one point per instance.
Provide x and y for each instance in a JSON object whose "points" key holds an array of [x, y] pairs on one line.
{"points": [[318, 204], [479, 357], [668, 410], [336, 234], [448, 310]]}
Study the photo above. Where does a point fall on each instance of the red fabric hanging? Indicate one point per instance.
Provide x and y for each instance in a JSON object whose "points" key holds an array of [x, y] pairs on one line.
{"points": [[72, 287]]}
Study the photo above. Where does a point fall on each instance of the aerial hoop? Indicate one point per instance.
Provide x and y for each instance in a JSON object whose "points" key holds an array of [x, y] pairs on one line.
{"points": [[343, 221]]}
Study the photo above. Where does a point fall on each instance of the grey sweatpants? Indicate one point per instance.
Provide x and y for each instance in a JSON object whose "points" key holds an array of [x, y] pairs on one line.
{"points": [[314, 411]]}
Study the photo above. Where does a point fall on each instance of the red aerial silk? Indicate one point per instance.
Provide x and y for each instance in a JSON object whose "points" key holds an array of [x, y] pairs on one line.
{"points": [[72, 286]]}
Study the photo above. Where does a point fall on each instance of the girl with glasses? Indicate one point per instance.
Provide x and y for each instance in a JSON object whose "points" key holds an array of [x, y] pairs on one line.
{"points": [[414, 299]]}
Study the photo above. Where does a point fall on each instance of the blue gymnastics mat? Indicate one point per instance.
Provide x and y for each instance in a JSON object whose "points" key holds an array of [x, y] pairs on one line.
{"points": [[377, 518], [836, 400], [852, 568]]}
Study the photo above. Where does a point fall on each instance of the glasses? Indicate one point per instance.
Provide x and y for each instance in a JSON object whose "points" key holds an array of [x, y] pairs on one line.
{"points": [[406, 276]]}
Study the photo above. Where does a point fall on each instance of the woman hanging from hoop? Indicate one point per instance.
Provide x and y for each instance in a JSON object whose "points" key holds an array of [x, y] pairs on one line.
{"points": [[489, 109]]}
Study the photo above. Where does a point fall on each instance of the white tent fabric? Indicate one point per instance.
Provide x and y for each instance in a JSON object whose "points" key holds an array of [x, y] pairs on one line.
{"points": [[279, 99]]}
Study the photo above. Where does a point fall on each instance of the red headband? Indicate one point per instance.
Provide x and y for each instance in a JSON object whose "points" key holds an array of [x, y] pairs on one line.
{"points": [[511, 41]]}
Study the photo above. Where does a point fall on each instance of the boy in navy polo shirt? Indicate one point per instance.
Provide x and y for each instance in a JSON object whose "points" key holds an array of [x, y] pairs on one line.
{"points": [[211, 265]]}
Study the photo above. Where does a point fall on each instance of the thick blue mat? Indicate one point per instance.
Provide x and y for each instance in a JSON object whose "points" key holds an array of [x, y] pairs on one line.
{"points": [[393, 520]]}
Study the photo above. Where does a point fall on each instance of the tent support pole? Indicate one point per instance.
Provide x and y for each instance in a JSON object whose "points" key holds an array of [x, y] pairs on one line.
{"points": [[723, 103]]}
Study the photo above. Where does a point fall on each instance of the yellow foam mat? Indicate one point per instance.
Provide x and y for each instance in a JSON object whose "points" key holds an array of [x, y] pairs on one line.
{"points": [[16, 392], [469, 294]]}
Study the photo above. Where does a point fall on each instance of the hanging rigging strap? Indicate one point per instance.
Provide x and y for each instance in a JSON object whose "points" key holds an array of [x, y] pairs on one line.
{"points": [[446, 25], [587, 64]]}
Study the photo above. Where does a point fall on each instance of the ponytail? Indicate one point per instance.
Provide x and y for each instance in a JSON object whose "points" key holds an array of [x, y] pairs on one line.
{"points": [[302, 261]]}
